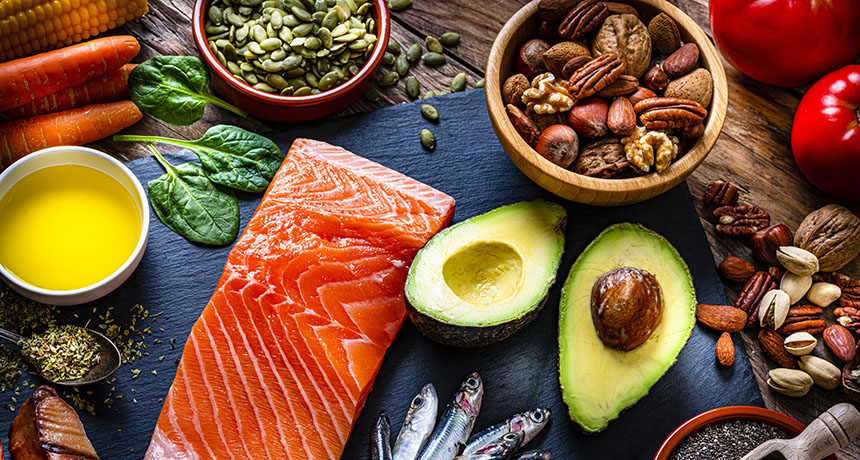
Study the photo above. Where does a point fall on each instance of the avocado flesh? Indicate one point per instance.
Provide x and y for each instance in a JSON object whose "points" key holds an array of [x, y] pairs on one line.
{"points": [[598, 381], [486, 271]]}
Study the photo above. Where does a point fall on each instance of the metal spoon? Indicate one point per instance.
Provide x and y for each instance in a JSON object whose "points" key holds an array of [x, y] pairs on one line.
{"points": [[109, 359]]}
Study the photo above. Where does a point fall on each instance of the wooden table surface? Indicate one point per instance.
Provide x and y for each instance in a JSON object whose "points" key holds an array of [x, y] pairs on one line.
{"points": [[753, 150]]}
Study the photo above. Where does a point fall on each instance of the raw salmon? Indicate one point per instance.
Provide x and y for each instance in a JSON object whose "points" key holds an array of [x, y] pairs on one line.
{"points": [[282, 358]]}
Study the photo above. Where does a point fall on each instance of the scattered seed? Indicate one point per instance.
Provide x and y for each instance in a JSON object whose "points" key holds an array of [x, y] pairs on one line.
{"points": [[401, 65], [458, 83], [480, 83], [433, 44], [428, 140], [389, 79], [399, 5], [432, 58], [388, 59], [429, 112], [429, 94], [371, 95], [413, 53], [412, 87], [393, 47], [449, 38]]}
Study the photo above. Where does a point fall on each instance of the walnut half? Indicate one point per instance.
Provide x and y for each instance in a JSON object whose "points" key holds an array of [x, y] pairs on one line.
{"points": [[645, 149], [548, 95]]}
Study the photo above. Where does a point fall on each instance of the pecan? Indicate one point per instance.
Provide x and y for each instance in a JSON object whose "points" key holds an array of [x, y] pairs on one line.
{"points": [[805, 310], [721, 193], [773, 346], [797, 319], [693, 132], [582, 19], [849, 312], [522, 124], [776, 272], [621, 8], [625, 85], [669, 112], [850, 297], [750, 297], [811, 326], [597, 74], [740, 220]]}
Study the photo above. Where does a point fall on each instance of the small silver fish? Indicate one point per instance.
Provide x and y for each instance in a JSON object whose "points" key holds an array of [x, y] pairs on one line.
{"points": [[417, 425], [534, 455], [503, 449], [530, 423], [456, 423], [380, 438]]}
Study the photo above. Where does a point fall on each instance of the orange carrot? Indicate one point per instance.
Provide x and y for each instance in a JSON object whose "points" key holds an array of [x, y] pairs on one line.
{"points": [[76, 126], [110, 87], [26, 79]]}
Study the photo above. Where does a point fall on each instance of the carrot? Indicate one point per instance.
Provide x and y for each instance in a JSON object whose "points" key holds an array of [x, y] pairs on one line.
{"points": [[111, 86], [76, 126], [26, 79]]}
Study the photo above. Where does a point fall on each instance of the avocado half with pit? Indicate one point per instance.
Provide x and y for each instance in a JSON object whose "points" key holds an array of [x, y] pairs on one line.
{"points": [[598, 377], [481, 280]]}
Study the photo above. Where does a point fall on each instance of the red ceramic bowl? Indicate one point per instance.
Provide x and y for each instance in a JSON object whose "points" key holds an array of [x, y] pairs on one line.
{"points": [[290, 108], [727, 414]]}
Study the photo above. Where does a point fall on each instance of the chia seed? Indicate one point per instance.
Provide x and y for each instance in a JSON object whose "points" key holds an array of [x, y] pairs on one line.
{"points": [[726, 441]]}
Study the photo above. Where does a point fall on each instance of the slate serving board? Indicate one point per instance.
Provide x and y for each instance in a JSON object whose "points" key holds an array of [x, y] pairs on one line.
{"points": [[178, 277]]}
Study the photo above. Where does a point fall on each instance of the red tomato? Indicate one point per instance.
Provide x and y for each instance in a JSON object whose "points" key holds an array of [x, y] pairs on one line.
{"points": [[786, 42], [825, 136]]}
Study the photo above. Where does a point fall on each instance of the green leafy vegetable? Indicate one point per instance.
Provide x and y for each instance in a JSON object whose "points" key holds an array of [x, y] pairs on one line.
{"points": [[231, 156], [190, 205], [174, 89]]}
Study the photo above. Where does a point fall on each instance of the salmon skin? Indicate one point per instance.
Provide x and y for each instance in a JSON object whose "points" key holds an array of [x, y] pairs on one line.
{"points": [[283, 356]]}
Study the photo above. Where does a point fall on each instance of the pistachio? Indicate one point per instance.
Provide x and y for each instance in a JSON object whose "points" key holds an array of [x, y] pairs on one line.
{"points": [[412, 87], [428, 140], [773, 308], [432, 58], [795, 286], [790, 382], [413, 53], [800, 343], [798, 261], [823, 294], [429, 112], [458, 83], [824, 373], [449, 38]]}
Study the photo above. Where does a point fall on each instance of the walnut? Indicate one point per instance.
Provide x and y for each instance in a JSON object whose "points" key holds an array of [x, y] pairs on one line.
{"points": [[603, 158], [625, 36], [832, 233], [548, 95], [640, 149]]}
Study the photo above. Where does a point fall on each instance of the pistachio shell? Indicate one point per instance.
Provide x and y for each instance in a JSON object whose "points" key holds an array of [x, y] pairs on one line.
{"points": [[800, 343], [798, 261], [824, 373], [790, 382], [795, 286], [823, 294], [773, 308]]}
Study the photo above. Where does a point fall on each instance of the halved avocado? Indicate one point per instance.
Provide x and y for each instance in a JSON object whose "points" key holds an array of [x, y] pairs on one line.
{"points": [[597, 380], [481, 280]]}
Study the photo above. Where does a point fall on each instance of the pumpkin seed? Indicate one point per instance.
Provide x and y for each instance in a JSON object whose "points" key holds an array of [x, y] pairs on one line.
{"points": [[293, 73], [388, 59], [428, 140], [216, 15], [363, 9], [313, 43], [429, 94], [303, 91], [328, 81], [303, 29], [230, 52], [371, 95], [413, 53], [325, 37], [272, 66], [412, 87], [263, 86], [244, 10], [449, 38], [279, 54], [340, 29], [231, 17], [234, 68], [399, 5], [215, 29], [320, 6], [458, 83], [429, 112], [346, 37], [433, 45], [480, 83], [277, 20], [359, 44], [393, 47], [330, 19], [255, 48], [288, 91], [246, 67], [402, 65], [389, 79], [301, 13], [250, 77], [271, 44], [242, 33], [432, 58], [276, 81], [290, 20]]}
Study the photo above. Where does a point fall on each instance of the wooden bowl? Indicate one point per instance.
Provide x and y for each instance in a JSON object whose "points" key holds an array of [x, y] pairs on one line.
{"points": [[290, 108], [590, 190], [727, 414]]}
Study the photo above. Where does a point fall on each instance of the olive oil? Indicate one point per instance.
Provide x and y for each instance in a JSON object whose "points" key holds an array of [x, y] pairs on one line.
{"points": [[67, 227]]}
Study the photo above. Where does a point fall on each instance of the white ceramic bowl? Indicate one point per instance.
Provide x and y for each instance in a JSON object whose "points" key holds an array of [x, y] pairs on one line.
{"points": [[84, 156]]}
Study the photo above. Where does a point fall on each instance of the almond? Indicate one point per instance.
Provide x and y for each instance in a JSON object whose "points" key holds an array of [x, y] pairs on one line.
{"points": [[736, 270], [621, 119], [664, 33], [840, 341], [556, 57], [682, 61], [723, 318], [725, 350], [772, 345], [696, 86]]}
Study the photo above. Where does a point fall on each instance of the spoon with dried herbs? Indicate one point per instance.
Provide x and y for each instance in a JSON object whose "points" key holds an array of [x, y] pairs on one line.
{"points": [[68, 355]]}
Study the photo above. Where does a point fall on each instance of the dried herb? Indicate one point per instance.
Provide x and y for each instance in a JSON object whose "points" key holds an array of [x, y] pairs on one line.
{"points": [[62, 353], [22, 315], [11, 363]]}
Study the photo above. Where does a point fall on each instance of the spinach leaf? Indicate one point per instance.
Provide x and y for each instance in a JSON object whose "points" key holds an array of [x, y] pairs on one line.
{"points": [[174, 89], [190, 205], [231, 156]]}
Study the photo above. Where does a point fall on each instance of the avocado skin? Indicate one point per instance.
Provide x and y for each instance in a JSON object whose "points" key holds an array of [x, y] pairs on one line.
{"points": [[470, 336]]}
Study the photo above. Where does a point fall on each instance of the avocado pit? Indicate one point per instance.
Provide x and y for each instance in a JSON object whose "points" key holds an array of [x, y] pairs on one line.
{"points": [[484, 272], [626, 307]]}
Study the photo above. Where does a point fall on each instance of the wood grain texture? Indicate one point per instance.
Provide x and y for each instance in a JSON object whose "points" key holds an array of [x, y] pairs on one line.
{"points": [[752, 151]]}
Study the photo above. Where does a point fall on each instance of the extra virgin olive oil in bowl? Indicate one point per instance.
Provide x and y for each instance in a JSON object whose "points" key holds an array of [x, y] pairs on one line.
{"points": [[74, 223]]}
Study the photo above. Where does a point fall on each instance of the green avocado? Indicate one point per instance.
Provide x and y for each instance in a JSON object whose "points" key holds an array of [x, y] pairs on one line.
{"points": [[481, 280], [599, 381]]}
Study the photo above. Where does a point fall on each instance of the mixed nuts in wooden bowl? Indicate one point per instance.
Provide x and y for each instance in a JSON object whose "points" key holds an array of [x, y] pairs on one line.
{"points": [[603, 102]]}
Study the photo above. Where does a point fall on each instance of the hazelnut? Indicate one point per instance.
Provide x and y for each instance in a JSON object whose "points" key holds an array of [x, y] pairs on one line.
{"points": [[548, 31], [641, 94], [530, 58], [589, 117], [656, 79], [626, 307], [513, 89], [765, 242], [558, 144]]}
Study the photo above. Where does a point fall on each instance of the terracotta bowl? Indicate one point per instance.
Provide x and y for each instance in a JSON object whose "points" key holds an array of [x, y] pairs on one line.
{"points": [[567, 184], [290, 108], [727, 414]]}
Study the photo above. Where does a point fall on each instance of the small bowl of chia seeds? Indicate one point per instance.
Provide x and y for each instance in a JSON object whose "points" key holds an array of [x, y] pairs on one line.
{"points": [[727, 433]]}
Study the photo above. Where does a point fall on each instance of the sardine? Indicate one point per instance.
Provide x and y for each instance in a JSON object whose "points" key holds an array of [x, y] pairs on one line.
{"points": [[503, 449], [456, 423], [534, 455], [417, 425], [530, 423], [380, 438]]}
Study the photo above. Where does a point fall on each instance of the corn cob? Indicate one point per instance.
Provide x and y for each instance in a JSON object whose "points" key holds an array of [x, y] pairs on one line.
{"points": [[32, 26]]}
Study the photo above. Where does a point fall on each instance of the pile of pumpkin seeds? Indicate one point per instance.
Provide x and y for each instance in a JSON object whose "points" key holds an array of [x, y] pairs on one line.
{"points": [[291, 47]]}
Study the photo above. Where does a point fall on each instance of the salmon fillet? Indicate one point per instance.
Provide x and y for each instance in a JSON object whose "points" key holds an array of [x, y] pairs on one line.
{"points": [[282, 358]]}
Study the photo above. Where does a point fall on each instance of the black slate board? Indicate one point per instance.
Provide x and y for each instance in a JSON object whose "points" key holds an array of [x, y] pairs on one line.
{"points": [[178, 277]]}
